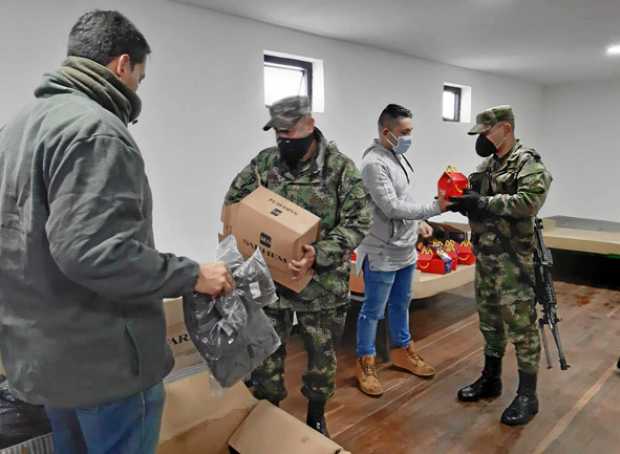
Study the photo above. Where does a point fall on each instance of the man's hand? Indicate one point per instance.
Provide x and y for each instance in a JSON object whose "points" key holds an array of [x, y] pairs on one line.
{"points": [[301, 266], [214, 279], [470, 203], [425, 230]]}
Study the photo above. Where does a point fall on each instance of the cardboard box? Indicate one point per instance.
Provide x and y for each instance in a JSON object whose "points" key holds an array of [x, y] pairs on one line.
{"points": [[185, 353], [277, 226], [198, 419], [256, 434]]}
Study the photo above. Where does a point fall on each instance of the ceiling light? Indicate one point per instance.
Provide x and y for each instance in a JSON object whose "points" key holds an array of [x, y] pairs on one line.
{"points": [[613, 50]]}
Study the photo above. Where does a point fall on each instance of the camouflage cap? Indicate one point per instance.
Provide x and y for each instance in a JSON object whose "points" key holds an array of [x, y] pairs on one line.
{"points": [[288, 111], [486, 119]]}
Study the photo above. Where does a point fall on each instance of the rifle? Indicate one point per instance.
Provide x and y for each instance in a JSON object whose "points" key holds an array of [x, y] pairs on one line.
{"points": [[545, 295]]}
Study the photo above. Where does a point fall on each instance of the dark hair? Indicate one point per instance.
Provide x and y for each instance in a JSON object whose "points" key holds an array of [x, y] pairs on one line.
{"points": [[104, 35], [391, 113]]}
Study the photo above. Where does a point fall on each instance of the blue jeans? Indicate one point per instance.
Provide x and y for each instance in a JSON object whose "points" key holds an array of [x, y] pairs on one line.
{"points": [[126, 426], [384, 288]]}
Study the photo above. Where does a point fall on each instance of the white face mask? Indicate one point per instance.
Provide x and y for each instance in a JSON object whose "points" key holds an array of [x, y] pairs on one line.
{"points": [[402, 145]]}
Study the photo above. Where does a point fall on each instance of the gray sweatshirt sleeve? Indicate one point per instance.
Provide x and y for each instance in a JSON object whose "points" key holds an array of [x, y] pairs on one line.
{"points": [[381, 190], [99, 228]]}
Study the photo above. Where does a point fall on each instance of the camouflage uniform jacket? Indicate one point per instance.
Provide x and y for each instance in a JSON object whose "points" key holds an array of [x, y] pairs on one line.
{"points": [[516, 187], [330, 186]]}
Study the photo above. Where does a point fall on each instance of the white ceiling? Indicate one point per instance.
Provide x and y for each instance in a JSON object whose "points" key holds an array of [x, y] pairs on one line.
{"points": [[546, 41]]}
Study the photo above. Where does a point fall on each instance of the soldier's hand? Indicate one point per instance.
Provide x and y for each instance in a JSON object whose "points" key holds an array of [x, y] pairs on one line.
{"points": [[425, 230], [470, 203], [214, 279], [301, 266], [456, 206]]}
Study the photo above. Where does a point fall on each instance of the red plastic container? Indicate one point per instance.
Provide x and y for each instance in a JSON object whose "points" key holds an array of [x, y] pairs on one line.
{"points": [[465, 253], [452, 183], [430, 262]]}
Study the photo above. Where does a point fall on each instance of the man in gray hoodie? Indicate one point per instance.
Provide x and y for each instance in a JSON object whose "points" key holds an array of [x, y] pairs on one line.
{"points": [[82, 329], [388, 253]]}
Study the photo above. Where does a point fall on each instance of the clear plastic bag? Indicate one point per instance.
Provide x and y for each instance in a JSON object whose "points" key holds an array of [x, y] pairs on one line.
{"points": [[217, 322], [228, 252], [254, 278], [231, 332]]}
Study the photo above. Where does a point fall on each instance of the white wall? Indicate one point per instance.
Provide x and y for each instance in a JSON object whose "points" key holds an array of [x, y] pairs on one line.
{"points": [[203, 101], [582, 148]]}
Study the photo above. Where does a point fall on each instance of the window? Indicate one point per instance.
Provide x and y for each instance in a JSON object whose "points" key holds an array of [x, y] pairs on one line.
{"points": [[451, 103], [286, 77], [456, 103]]}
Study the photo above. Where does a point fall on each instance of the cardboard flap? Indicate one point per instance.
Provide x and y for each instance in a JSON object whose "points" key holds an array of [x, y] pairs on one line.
{"points": [[284, 276], [192, 401], [185, 353], [256, 434]]}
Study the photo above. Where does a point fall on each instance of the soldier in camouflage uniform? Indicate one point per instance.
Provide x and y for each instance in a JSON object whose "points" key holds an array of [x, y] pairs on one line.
{"points": [[311, 172], [508, 189]]}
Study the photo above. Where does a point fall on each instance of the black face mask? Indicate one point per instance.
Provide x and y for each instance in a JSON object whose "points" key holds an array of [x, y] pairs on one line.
{"points": [[292, 150], [484, 147]]}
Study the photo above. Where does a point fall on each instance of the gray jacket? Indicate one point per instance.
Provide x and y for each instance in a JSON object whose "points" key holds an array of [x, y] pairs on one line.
{"points": [[389, 179], [81, 284]]}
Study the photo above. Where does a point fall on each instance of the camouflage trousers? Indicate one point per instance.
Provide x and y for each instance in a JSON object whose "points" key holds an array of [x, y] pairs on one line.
{"points": [[320, 332], [505, 300]]}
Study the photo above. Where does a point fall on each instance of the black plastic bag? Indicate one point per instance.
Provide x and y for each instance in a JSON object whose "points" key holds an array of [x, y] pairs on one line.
{"points": [[19, 421]]}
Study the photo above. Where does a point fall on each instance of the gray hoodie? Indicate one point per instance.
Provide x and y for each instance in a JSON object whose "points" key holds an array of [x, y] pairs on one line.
{"points": [[389, 179]]}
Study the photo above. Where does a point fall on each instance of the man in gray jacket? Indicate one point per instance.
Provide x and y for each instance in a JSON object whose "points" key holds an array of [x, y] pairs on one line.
{"points": [[82, 329], [388, 253]]}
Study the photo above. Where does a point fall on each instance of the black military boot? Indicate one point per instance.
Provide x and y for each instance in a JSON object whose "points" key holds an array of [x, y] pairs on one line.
{"points": [[316, 416], [488, 386], [525, 405]]}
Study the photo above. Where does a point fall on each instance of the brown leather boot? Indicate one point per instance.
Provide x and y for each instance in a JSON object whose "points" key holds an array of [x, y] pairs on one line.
{"points": [[407, 358], [367, 379]]}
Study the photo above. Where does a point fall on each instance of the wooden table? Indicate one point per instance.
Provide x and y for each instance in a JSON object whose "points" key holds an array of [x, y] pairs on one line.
{"points": [[424, 285], [582, 235]]}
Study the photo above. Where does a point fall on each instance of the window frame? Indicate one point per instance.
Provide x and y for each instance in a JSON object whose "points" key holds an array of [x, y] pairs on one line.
{"points": [[458, 94], [305, 66]]}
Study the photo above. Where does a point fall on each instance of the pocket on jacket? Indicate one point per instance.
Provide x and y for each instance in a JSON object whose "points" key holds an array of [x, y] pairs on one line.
{"points": [[505, 183], [134, 348], [404, 230], [13, 247], [382, 228]]}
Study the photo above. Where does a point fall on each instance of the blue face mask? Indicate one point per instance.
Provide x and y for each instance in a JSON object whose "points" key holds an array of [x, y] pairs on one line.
{"points": [[403, 143]]}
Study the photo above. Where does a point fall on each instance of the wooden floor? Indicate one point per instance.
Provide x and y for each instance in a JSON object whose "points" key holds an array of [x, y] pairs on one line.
{"points": [[580, 408]]}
